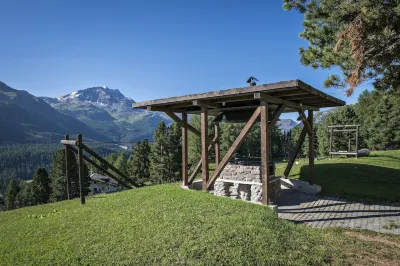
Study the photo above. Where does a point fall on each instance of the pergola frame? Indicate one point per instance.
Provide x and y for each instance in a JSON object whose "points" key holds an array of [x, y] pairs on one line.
{"points": [[344, 128], [263, 103]]}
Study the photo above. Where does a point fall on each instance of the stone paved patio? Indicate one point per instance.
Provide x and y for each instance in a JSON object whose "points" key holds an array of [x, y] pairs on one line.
{"points": [[322, 212]]}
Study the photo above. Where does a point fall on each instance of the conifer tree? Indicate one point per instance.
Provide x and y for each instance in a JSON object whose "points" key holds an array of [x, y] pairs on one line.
{"points": [[160, 159], [25, 196], [359, 37], [139, 162], [175, 137], [121, 164], [12, 191], [41, 186], [58, 178]]}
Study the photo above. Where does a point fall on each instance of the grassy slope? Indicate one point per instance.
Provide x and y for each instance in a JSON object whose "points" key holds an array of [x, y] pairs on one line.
{"points": [[373, 178], [168, 225]]}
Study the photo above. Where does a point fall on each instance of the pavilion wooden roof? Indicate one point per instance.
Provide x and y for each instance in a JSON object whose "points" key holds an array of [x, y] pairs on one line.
{"points": [[293, 94]]}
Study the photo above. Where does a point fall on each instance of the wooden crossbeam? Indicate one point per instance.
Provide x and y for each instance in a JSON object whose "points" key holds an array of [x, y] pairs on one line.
{"points": [[225, 109], [197, 168], [103, 161], [69, 142], [295, 152], [108, 173], [272, 99], [275, 116], [181, 123], [165, 109], [306, 123], [233, 99], [217, 143], [235, 146], [206, 103]]}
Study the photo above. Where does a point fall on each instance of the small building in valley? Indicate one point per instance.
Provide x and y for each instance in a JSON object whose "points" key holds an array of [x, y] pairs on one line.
{"points": [[102, 184]]}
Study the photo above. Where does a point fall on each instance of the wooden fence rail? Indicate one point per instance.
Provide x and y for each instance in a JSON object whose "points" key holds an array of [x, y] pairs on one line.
{"points": [[79, 150]]}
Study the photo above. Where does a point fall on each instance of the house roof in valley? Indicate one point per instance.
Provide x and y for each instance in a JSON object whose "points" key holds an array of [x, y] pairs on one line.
{"points": [[103, 179]]}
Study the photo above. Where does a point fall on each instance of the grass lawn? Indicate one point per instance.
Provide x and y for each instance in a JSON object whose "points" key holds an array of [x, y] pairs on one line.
{"points": [[373, 178], [167, 225]]}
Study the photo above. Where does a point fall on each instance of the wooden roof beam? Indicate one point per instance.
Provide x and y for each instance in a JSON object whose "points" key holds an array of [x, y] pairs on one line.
{"points": [[163, 109], [237, 108], [321, 94], [206, 104], [272, 99]]}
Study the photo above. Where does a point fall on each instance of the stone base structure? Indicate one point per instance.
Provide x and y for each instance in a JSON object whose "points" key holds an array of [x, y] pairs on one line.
{"points": [[244, 182]]}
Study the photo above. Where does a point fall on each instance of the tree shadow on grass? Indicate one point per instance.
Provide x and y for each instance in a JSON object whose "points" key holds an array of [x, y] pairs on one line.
{"points": [[356, 181]]}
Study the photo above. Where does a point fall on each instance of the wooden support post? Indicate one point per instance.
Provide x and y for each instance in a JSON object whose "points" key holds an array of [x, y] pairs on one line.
{"points": [[357, 141], [295, 152], [265, 152], [235, 146], [67, 166], [217, 143], [349, 145], [81, 168], [330, 141], [204, 146], [311, 147], [184, 150]]}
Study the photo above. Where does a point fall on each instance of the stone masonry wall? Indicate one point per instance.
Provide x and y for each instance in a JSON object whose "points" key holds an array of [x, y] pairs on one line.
{"points": [[244, 191]]}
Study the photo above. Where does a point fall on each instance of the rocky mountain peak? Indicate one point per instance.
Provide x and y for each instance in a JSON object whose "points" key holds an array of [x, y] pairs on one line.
{"points": [[100, 95]]}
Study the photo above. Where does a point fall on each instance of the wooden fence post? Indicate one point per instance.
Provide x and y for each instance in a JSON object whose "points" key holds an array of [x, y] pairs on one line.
{"points": [[81, 168], [67, 165], [184, 149]]}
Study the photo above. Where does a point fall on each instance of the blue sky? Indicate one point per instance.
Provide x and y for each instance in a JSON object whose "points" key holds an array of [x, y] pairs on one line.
{"points": [[151, 49]]}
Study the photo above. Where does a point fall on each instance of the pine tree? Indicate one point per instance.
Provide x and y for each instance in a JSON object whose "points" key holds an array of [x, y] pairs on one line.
{"points": [[25, 196], [58, 178], [160, 159], [121, 164], [12, 191], [175, 136], [41, 186], [359, 37], [139, 162]]}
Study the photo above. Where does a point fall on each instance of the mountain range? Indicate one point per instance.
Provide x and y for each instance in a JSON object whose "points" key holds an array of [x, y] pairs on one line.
{"points": [[285, 125], [99, 113]]}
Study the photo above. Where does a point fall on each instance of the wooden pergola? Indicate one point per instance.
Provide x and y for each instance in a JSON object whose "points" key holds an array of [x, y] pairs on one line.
{"points": [[263, 103]]}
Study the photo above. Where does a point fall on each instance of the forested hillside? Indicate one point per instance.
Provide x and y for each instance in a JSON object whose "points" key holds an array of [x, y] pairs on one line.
{"points": [[20, 161]]}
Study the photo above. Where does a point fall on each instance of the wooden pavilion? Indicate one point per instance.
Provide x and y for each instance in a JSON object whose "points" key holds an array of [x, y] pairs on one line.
{"points": [[264, 103]]}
